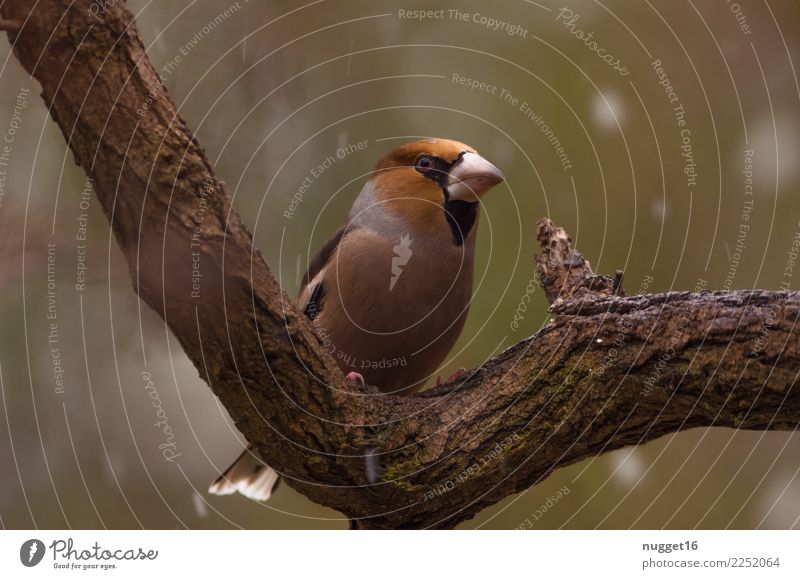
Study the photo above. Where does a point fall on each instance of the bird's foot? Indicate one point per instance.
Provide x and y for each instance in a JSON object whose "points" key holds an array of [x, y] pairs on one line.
{"points": [[460, 373], [355, 377]]}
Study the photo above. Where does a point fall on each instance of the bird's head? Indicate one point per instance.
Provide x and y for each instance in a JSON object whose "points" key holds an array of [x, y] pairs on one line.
{"points": [[433, 179]]}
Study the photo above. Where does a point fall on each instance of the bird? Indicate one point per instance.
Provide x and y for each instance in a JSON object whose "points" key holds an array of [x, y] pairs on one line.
{"points": [[388, 294]]}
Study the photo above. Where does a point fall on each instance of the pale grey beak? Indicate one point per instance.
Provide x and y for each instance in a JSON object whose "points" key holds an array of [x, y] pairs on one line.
{"points": [[471, 177]]}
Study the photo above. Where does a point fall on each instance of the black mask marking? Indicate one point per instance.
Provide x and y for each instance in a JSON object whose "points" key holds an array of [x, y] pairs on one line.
{"points": [[460, 214], [439, 172]]}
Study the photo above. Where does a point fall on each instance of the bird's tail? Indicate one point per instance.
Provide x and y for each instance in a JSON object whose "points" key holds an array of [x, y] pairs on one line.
{"points": [[248, 475]]}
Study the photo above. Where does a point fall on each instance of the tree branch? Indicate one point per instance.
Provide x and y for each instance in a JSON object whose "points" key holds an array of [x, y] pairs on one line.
{"points": [[605, 372]]}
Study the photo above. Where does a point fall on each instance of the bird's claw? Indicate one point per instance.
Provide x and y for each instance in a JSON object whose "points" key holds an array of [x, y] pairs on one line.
{"points": [[355, 377], [460, 373]]}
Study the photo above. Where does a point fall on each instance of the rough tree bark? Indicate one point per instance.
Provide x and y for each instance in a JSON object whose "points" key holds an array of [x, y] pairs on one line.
{"points": [[605, 372]]}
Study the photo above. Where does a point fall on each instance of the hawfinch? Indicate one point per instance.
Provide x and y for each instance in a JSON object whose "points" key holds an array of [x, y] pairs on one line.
{"points": [[388, 294]]}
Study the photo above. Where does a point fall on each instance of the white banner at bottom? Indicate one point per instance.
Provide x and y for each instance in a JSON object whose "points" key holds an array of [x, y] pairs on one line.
{"points": [[389, 554]]}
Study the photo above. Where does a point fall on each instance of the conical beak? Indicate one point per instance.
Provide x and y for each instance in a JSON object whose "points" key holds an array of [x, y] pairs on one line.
{"points": [[471, 177]]}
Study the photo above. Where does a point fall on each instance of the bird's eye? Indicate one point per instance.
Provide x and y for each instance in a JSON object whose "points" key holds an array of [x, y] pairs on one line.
{"points": [[424, 163]]}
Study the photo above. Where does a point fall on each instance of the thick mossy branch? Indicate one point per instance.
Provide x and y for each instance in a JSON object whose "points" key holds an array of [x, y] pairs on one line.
{"points": [[607, 371]]}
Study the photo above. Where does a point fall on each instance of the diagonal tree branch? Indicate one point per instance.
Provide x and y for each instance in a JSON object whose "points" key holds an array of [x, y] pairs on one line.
{"points": [[605, 372]]}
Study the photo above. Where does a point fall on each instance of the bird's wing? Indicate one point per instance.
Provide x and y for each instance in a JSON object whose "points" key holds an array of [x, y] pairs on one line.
{"points": [[312, 287]]}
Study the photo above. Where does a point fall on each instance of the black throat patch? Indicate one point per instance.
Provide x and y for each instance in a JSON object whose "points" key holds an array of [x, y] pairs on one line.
{"points": [[460, 214], [460, 217]]}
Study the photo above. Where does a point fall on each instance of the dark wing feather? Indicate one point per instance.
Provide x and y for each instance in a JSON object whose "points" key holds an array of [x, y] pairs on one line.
{"points": [[313, 304]]}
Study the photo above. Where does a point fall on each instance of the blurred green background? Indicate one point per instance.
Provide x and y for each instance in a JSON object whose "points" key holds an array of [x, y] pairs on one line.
{"points": [[272, 89]]}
